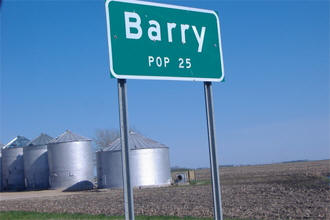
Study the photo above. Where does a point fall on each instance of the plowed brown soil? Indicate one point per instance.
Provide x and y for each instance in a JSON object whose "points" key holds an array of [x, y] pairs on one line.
{"points": [[279, 191]]}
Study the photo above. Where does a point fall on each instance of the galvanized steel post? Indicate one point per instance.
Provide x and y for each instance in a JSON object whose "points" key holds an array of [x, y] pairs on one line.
{"points": [[212, 151], [128, 192]]}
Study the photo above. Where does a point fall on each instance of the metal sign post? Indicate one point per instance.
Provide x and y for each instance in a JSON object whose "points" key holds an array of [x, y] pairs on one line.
{"points": [[128, 192], [212, 151]]}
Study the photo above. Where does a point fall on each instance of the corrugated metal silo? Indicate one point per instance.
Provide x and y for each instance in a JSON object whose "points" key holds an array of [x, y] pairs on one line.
{"points": [[13, 165], [70, 159], [149, 160], [36, 163], [1, 145]]}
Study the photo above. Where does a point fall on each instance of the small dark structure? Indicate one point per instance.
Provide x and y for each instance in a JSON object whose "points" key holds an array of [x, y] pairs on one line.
{"points": [[183, 176]]}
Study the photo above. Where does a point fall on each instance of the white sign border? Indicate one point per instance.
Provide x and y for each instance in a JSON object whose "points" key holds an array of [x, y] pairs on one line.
{"points": [[162, 77]]}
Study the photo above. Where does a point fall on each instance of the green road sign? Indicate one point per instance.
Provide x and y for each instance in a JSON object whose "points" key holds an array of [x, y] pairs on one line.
{"points": [[159, 41]]}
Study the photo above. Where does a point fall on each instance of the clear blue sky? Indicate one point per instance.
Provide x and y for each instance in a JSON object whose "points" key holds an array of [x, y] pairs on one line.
{"points": [[274, 105]]}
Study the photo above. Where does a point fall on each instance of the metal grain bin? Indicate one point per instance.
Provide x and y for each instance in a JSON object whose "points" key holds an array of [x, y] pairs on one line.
{"points": [[13, 165], [36, 163], [1, 145], [70, 159], [149, 160]]}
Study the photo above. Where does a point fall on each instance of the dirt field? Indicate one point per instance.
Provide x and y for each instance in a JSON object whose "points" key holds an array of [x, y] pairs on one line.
{"points": [[279, 191]]}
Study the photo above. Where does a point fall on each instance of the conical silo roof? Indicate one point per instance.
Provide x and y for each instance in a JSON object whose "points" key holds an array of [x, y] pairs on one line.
{"points": [[18, 141], [68, 136], [42, 139], [1, 145], [135, 141]]}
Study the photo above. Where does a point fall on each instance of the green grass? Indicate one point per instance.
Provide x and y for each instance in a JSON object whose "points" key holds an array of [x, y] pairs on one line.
{"points": [[9, 215]]}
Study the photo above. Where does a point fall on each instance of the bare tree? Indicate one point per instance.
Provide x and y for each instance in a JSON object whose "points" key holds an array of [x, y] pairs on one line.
{"points": [[104, 137]]}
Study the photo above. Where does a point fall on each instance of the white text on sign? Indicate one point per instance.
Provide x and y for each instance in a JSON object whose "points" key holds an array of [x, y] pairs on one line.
{"points": [[164, 61], [154, 32]]}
